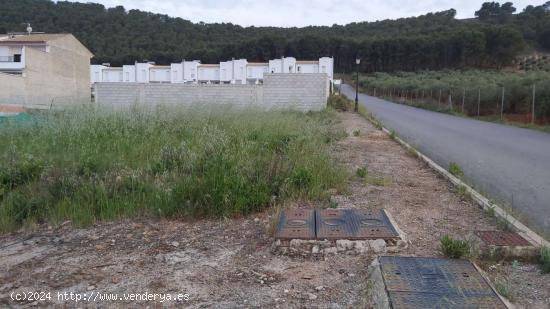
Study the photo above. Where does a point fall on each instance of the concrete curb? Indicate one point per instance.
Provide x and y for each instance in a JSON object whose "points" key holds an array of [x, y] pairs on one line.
{"points": [[481, 200]]}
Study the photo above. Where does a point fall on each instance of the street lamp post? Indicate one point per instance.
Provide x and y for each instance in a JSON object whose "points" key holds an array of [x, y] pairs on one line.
{"points": [[357, 62]]}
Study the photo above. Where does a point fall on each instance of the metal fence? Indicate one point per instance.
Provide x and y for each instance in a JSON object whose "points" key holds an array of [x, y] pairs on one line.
{"points": [[521, 104]]}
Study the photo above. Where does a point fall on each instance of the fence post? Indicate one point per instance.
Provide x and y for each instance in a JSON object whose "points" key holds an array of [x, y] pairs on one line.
{"points": [[439, 102], [533, 107], [502, 105], [451, 100], [478, 100], [463, 98]]}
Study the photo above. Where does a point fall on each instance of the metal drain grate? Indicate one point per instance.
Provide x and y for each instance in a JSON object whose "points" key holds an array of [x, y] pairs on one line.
{"points": [[413, 282], [296, 224], [353, 224], [499, 238]]}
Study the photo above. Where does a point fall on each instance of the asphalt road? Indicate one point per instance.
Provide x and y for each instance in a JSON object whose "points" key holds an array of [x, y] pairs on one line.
{"points": [[508, 164]]}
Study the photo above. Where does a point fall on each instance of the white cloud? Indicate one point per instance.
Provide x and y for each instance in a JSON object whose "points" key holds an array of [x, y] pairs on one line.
{"points": [[299, 13]]}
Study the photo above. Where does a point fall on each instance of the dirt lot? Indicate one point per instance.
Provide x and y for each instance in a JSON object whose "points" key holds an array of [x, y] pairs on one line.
{"points": [[228, 263]]}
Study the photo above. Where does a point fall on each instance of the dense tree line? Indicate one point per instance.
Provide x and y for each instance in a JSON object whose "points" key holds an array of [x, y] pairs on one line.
{"points": [[432, 41]]}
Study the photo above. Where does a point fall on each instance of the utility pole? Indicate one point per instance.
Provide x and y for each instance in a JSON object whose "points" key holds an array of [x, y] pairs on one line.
{"points": [[357, 61]]}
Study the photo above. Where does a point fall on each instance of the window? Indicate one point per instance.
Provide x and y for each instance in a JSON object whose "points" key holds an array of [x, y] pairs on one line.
{"points": [[290, 69], [119, 76], [127, 76], [143, 75], [299, 69]]}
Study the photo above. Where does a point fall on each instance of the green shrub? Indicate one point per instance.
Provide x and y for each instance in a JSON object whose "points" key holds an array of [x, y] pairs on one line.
{"points": [[393, 134], [21, 171], [362, 172], [455, 169], [503, 288], [545, 259], [454, 248], [339, 103], [356, 133]]}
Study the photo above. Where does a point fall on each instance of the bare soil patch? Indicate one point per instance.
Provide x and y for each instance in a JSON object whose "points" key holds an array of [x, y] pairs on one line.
{"points": [[229, 264]]}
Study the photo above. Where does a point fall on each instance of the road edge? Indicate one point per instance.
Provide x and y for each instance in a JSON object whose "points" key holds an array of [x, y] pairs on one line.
{"points": [[477, 197]]}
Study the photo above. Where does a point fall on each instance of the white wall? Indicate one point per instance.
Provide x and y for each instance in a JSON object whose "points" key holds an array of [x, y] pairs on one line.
{"points": [[283, 65], [5, 51], [176, 72], [112, 75], [160, 74], [233, 71], [256, 71], [307, 67], [129, 73], [142, 72], [326, 65], [96, 73], [191, 70], [208, 73]]}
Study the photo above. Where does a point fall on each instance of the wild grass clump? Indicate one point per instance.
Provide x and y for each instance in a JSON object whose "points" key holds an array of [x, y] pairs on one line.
{"points": [[455, 170], [340, 103], [545, 260], [87, 165], [454, 248], [362, 172]]}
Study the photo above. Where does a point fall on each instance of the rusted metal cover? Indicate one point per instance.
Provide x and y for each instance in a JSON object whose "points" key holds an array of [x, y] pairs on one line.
{"points": [[353, 224], [500, 238], [414, 282], [296, 224]]}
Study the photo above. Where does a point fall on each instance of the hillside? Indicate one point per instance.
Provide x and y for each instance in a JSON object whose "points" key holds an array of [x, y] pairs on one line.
{"points": [[432, 41]]}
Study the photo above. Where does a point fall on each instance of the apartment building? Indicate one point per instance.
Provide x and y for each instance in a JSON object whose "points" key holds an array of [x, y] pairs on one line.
{"points": [[40, 70]]}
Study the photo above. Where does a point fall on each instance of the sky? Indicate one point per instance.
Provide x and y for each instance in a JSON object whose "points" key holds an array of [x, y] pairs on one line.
{"points": [[290, 13]]}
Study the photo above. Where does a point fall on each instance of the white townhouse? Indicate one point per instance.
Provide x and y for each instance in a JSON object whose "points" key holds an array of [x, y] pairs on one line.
{"points": [[234, 71], [184, 72]]}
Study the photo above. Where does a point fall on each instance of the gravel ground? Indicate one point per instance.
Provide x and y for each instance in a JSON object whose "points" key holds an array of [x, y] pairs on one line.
{"points": [[229, 264]]}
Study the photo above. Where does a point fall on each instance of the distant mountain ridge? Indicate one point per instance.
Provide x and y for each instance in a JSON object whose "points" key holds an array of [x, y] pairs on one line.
{"points": [[431, 41]]}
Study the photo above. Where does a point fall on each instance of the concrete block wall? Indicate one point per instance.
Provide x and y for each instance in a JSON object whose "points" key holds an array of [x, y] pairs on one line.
{"points": [[300, 91], [304, 92]]}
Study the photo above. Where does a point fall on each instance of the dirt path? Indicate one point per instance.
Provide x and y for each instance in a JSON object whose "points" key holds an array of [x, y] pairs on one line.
{"points": [[228, 263]]}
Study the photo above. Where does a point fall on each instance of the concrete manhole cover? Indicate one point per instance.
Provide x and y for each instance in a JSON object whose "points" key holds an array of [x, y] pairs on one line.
{"points": [[416, 282], [353, 224], [334, 224], [296, 224]]}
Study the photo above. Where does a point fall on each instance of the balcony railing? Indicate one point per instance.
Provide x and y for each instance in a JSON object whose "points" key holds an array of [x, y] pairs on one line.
{"points": [[10, 58]]}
